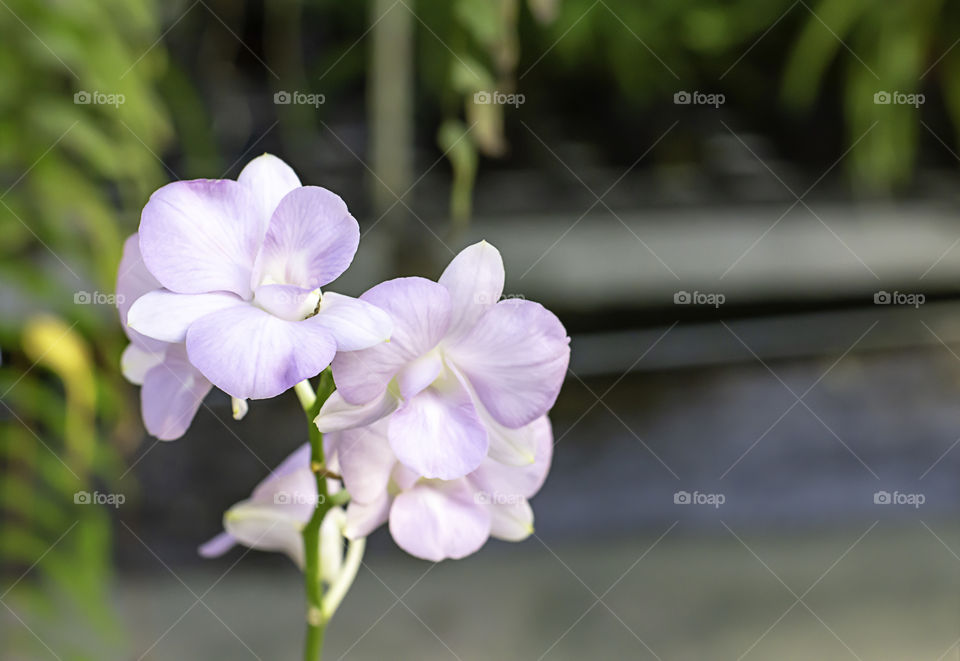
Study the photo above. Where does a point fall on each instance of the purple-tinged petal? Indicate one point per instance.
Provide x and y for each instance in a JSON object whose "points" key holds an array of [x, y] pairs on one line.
{"points": [[511, 520], [250, 354], [403, 478], [287, 301], [172, 393], [297, 460], [270, 179], [515, 358], [136, 361], [511, 482], [217, 546], [438, 522], [337, 414], [364, 518], [165, 316], [354, 323], [419, 374], [366, 461], [439, 434], [475, 281], [133, 281], [310, 241], [420, 310], [202, 236]]}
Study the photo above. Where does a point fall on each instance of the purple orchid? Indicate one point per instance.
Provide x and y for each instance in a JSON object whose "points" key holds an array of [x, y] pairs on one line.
{"points": [[272, 519], [241, 264], [436, 519], [171, 388], [463, 376]]}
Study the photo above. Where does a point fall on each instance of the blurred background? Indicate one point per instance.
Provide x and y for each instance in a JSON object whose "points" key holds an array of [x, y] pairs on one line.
{"points": [[746, 214]]}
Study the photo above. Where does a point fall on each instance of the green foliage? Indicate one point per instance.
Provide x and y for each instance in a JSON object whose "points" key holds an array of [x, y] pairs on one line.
{"points": [[65, 170]]}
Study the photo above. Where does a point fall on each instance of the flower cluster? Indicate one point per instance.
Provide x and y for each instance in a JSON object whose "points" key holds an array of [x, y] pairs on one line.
{"points": [[438, 422]]}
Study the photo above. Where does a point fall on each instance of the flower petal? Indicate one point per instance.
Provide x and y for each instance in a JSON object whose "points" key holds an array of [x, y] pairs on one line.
{"points": [[420, 310], [419, 374], [270, 179], [136, 361], [218, 545], [439, 434], [354, 323], [287, 301], [265, 527], [298, 460], [437, 523], [515, 359], [509, 481], [202, 236], [310, 241], [133, 281], [336, 413], [251, 354], [475, 281], [165, 316], [172, 393], [364, 518], [366, 461], [511, 521]]}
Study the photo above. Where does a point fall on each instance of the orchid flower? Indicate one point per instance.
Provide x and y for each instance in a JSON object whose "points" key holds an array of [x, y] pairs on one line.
{"points": [[436, 519], [274, 516], [171, 388], [463, 375], [241, 264]]}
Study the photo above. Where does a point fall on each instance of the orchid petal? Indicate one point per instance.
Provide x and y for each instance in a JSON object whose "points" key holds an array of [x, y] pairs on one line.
{"points": [[250, 354], [438, 434], [270, 179], [475, 281], [287, 301], [366, 461], [136, 361], [512, 482], [420, 310], [511, 521], [364, 518], [336, 413], [437, 523], [171, 395], [166, 316], [217, 546], [202, 236], [355, 324], [515, 358], [419, 374], [266, 527], [133, 281], [310, 241]]}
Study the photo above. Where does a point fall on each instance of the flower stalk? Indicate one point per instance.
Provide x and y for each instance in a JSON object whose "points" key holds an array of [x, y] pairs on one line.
{"points": [[316, 619]]}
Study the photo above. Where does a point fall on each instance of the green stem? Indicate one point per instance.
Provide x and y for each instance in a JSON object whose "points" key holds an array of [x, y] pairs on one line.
{"points": [[316, 622]]}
